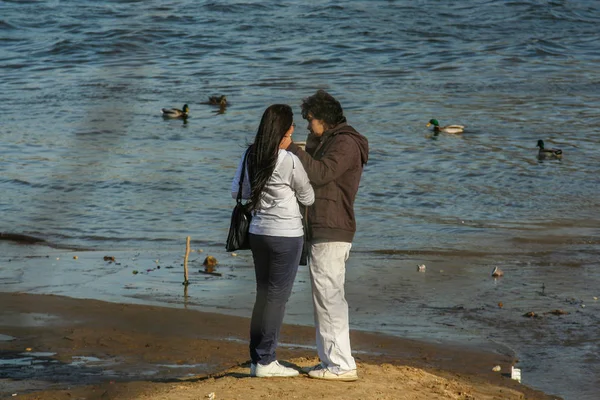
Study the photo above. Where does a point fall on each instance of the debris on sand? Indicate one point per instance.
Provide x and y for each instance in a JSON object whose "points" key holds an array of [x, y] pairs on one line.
{"points": [[531, 314], [209, 264], [557, 312], [515, 373]]}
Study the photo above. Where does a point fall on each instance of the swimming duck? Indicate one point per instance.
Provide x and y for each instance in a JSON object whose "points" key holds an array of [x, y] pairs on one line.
{"points": [[218, 101], [497, 272], [175, 112], [548, 153], [445, 129]]}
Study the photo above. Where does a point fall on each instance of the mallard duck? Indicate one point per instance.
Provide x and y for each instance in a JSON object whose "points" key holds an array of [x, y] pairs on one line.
{"points": [[217, 101], [175, 112], [548, 153], [445, 129]]}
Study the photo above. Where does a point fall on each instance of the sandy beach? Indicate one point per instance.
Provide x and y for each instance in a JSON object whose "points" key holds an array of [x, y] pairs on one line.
{"points": [[88, 349]]}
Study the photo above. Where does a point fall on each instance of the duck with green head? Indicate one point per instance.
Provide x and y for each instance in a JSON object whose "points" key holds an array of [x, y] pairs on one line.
{"points": [[446, 129], [544, 154], [175, 112]]}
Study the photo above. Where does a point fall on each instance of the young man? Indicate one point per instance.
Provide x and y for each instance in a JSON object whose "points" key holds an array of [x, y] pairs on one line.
{"points": [[334, 159]]}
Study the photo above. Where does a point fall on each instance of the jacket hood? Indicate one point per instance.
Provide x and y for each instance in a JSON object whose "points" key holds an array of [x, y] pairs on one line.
{"points": [[361, 141]]}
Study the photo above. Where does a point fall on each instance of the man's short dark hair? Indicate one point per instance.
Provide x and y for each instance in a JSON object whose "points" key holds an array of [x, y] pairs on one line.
{"points": [[325, 107]]}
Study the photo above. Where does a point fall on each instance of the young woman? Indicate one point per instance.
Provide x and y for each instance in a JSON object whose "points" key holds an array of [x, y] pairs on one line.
{"points": [[274, 182]]}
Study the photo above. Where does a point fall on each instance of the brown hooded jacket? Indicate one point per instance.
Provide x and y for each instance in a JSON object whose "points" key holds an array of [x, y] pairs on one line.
{"points": [[334, 164]]}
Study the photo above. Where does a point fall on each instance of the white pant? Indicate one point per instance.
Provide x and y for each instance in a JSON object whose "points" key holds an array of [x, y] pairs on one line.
{"points": [[327, 276]]}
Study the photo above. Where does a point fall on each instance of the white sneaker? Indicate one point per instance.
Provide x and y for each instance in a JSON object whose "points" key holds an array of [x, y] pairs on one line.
{"points": [[274, 370], [326, 374]]}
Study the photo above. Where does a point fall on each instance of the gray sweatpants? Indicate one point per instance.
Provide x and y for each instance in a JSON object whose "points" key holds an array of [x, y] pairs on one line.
{"points": [[327, 275]]}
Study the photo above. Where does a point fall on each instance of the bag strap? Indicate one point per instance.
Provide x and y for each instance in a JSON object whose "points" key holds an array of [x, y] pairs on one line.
{"points": [[243, 174]]}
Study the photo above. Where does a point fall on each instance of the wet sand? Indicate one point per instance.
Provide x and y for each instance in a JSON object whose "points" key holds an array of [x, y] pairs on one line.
{"points": [[93, 349]]}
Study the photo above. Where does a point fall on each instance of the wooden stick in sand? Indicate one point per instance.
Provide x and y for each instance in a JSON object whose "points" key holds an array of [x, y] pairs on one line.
{"points": [[185, 261]]}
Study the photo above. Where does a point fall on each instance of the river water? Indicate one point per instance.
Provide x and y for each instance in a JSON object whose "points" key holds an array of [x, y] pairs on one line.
{"points": [[87, 162]]}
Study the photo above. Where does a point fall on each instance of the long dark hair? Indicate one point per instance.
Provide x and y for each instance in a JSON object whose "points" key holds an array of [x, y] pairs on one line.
{"points": [[275, 122]]}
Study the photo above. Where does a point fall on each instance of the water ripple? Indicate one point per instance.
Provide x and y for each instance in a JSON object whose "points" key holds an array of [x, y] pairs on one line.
{"points": [[93, 79]]}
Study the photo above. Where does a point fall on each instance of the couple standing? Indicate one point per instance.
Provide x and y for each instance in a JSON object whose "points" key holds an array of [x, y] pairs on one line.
{"points": [[279, 176]]}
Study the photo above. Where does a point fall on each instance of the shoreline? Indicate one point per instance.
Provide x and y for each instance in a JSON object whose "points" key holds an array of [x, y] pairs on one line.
{"points": [[182, 345], [386, 295]]}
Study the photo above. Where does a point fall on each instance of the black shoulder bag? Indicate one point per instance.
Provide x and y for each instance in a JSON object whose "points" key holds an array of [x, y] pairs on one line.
{"points": [[238, 239]]}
